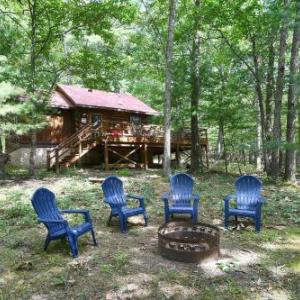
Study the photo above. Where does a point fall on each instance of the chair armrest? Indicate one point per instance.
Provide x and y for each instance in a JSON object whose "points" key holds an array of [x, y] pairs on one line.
{"points": [[64, 222], [230, 197], [75, 211], [85, 212], [140, 198]]}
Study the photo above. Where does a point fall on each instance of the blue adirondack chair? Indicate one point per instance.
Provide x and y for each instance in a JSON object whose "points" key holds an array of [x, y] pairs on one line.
{"points": [[180, 199], [114, 195], [45, 206], [248, 200]]}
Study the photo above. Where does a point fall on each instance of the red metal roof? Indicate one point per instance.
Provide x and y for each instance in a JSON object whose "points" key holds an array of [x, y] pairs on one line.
{"points": [[58, 100], [68, 96]]}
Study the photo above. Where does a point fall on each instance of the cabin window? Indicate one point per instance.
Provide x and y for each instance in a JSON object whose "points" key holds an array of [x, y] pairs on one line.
{"points": [[135, 120], [84, 119], [96, 120]]}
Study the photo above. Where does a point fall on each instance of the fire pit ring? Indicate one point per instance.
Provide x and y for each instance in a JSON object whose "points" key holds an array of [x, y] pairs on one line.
{"points": [[188, 242]]}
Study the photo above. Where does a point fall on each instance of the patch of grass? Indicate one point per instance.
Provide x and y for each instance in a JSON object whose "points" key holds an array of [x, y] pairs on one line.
{"points": [[124, 172], [28, 270], [169, 275], [59, 280], [18, 172], [120, 260], [19, 214], [106, 268]]}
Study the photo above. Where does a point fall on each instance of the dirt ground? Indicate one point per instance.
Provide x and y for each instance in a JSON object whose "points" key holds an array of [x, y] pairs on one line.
{"points": [[128, 266]]}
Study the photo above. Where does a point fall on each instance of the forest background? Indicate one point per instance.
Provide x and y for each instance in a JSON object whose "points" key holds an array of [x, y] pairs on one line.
{"points": [[230, 66]]}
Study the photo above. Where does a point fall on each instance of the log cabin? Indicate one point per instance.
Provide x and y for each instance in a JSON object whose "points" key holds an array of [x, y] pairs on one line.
{"points": [[95, 127]]}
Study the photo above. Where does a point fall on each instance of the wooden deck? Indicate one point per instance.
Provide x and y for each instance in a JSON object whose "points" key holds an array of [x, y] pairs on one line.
{"points": [[122, 141]]}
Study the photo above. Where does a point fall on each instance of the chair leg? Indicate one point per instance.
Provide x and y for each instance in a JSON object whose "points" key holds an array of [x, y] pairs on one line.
{"points": [[257, 224], [195, 216], [109, 219], [146, 219], [123, 224], [167, 217], [47, 242], [93, 236], [73, 245], [226, 222]]}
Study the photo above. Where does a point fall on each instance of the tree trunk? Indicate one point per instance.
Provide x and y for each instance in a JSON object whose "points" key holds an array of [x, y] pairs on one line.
{"points": [[260, 99], [290, 156], [32, 154], [269, 102], [32, 9], [3, 143], [4, 159], [225, 148], [196, 155], [275, 163], [258, 140], [270, 86], [220, 144], [168, 89], [298, 140]]}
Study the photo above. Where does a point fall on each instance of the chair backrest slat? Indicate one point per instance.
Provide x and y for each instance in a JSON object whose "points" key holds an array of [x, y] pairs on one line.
{"points": [[44, 204], [248, 190], [181, 189], [113, 191]]}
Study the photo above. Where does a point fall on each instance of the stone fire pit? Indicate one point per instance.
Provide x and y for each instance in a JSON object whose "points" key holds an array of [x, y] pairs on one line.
{"points": [[188, 242]]}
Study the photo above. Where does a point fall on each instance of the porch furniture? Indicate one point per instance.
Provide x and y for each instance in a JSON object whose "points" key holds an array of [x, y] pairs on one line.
{"points": [[180, 199], [115, 196], [45, 206], [248, 200]]}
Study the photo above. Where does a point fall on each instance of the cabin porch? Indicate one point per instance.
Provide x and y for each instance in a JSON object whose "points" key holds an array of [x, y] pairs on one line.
{"points": [[122, 144]]}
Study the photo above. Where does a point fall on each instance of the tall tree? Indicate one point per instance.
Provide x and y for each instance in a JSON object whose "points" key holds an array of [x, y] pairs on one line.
{"points": [[290, 158], [276, 132], [196, 156], [168, 88]]}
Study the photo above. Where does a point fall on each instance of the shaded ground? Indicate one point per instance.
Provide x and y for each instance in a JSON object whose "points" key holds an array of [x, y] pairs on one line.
{"points": [[252, 266]]}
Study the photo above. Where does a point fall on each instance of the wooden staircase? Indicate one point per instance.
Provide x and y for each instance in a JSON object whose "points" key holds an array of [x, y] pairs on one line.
{"points": [[72, 149]]}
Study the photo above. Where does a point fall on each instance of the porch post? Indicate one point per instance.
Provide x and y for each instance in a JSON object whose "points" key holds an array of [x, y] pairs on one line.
{"points": [[56, 161], [145, 156], [106, 158]]}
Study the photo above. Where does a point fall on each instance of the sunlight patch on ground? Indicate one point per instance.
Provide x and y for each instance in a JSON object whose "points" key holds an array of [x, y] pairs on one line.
{"points": [[274, 295], [81, 262], [270, 246], [128, 291], [39, 297], [279, 271], [136, 220], [171, 291], [100, 233], [230, 260], [133, 286], [293, 243]]}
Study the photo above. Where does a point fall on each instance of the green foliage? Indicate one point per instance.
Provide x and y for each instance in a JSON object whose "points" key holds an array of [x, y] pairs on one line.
{"points": [[125, 172], [121, 259]]}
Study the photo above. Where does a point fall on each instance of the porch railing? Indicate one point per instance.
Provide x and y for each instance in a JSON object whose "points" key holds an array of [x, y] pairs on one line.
{"points": [[123, 128]]}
